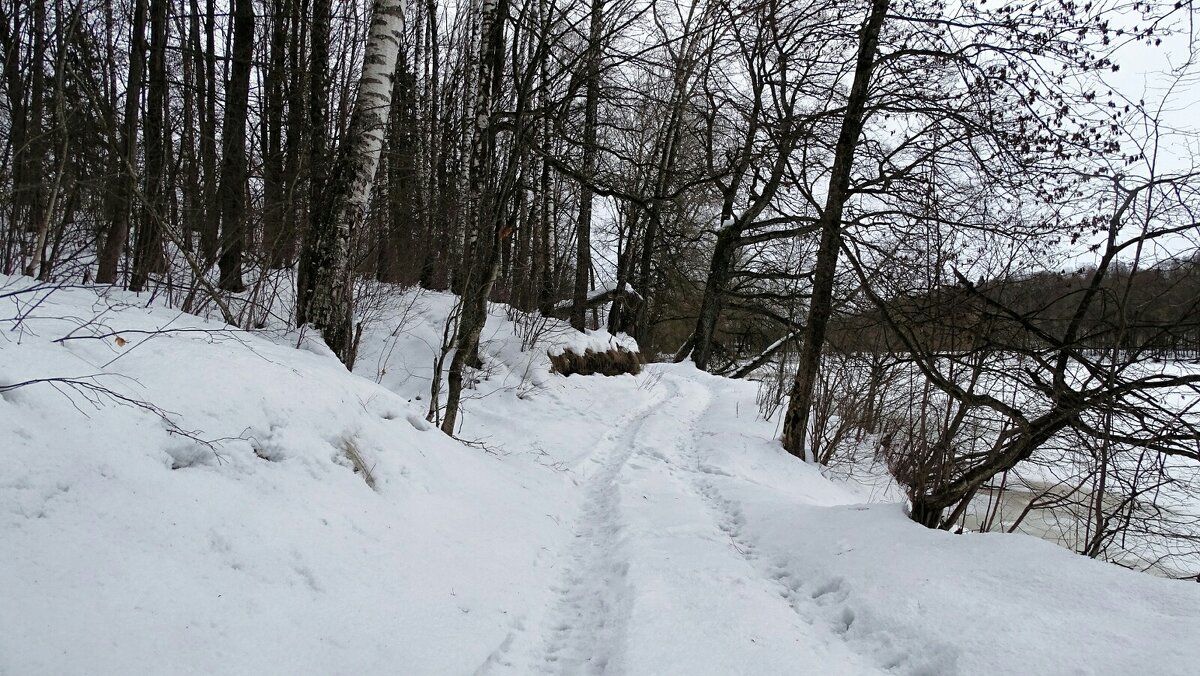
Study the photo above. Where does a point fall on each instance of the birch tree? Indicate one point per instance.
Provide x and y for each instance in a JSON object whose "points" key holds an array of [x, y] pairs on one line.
{"points": [[348, 193]]}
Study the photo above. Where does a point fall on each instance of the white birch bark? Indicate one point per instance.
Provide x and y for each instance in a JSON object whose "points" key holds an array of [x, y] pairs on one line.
{"points": [[358, 160], [371, 108]]}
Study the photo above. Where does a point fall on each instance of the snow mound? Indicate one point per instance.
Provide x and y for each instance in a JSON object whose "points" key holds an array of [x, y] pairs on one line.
{"points": [[179, 496], [401, 346], [591, 341]]}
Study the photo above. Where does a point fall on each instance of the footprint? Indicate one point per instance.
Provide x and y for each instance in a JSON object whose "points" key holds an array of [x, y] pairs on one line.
{"points": [[845, 621], [832, 591]]}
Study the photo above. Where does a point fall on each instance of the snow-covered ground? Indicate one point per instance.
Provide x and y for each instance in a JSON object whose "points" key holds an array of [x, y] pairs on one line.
{"points": [[177, 497]]}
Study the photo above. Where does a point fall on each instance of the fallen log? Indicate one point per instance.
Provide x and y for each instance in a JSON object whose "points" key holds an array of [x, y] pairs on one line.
{"points": [[597, 298]]}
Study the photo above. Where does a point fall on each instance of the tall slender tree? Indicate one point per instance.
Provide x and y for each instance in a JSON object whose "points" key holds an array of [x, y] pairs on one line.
{"points": [[125, 153], [348, 193], [795, 421], [591, 106], [147, 249], [233, 157]]}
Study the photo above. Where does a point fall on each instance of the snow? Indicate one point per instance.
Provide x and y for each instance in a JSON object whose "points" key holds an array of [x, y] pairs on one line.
{"points": [[601, 291], [590, 341], [627, 525]]}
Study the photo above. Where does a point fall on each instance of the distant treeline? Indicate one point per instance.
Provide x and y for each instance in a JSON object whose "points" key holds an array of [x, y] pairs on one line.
{"points": [[1154, 309]]}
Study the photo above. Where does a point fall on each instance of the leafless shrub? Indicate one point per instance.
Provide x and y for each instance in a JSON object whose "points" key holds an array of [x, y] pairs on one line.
{"points": [[651, 381], [87, 390], [530, 327], [846, 402]]}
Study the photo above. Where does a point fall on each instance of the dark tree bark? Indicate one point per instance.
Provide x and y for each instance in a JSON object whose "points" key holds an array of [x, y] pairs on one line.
{"points": [[276, 235], [147, 250], [15, 81], [295, 199], [124, 177], [398, 244], [32, 192], [318, 142], [583, 226], [795, 421], [483, 241], [193, 122], [210, 229], [233, 157]]}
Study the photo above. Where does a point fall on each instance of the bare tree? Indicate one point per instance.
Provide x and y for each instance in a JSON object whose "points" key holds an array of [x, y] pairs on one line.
{"points": [[348, 192], [232, 194]]}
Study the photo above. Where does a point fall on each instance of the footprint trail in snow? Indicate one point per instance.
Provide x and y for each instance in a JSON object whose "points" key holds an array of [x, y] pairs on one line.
{"points": [[659, 573]]}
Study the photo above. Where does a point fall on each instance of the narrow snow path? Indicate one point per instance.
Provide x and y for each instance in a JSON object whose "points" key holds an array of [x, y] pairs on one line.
{"points": [[660, 577], [585, 623]]}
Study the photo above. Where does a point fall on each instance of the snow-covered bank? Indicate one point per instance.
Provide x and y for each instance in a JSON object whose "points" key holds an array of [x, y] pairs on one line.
{"points": [[132, 549], [621, 525]]}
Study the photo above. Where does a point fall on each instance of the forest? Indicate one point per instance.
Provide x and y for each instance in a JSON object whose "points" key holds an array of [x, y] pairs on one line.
{"points": [[948, 228]]}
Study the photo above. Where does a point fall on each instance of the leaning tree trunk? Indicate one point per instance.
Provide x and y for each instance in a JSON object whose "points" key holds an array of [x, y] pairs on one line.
{"points": [[720, 271], [729, 242], [795, 421], [482, 248], [349, 190]]}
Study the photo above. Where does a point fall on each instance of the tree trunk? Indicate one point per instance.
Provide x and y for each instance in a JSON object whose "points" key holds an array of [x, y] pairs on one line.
{"points": [[348, 193], [719, 272], [126, 158], [583, 227], [211, 227], [275, 231], [795, 421], [618, 312], [294, 164], [193, 121], [315, 248], [233, 158], [483, 248], [147, 247], [397, 238], [32, 193]]}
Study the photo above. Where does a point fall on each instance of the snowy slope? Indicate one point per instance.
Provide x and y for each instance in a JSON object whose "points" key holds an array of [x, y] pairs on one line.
{"points": [[623, 525], [129, 549]]}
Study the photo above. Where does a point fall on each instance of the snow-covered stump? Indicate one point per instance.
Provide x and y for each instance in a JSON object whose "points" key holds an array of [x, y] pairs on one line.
{"points": [[596, 352]]}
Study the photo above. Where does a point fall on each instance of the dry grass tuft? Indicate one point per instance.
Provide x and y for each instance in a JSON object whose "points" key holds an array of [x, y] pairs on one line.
{"points": [[614, 362], [356, 459]]}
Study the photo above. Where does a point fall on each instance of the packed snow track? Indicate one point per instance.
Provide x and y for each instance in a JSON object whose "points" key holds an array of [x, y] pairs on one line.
{"points": [[661, 577]]}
